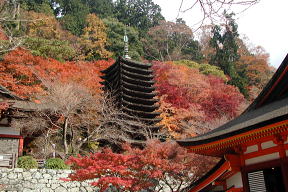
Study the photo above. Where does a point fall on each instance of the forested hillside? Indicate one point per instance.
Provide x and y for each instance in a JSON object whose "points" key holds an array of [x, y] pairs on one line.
{"points": [[52, 53], [208, 79]]}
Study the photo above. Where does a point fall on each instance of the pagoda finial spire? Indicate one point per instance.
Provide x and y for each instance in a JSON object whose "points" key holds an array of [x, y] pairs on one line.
{"points": [[126, 50]]}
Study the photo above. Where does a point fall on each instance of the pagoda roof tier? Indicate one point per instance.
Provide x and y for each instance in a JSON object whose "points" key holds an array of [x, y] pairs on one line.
{"points": [[110, 85], [138, 87], [138, 76], [149, 121], [111, 68], [135, 63], [112, 76], [139, 107], [139, 94], [142, 114], [140, 100], [151, 127], [136, 81], [137, 70], [268, 114], [145, 98]]}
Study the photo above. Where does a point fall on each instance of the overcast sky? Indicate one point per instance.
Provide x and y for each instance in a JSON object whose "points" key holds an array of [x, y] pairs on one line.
{"points": [[265, 24]]}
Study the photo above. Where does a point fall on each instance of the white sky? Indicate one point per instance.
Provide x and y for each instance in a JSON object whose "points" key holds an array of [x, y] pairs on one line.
{"points": [[265, 24]]}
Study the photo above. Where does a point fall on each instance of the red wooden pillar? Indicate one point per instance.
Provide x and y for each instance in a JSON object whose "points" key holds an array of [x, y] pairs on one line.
{"points": [[279, 140], [20, 146]]}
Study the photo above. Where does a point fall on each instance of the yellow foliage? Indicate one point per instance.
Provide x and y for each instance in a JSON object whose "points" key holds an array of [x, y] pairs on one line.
{"points": [[94, 39]]}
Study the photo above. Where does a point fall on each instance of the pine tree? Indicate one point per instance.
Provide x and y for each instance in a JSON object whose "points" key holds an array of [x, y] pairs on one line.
{"points": [[226, 51]]}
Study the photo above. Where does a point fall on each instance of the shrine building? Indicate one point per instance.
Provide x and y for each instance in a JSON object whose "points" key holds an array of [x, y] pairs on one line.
{"points": [[11, 141], [253, 147]]}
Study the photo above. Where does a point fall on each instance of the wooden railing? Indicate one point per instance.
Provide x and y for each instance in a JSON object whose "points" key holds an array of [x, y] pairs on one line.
{"points": [[7, 160]]}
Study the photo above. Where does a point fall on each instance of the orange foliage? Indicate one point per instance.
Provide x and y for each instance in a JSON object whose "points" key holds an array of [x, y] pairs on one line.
{"points": [[22, 72], [3, 36], [46, 26], [256, 68]]}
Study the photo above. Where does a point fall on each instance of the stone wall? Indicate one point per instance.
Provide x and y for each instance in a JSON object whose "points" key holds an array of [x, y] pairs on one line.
{"points": [[39, 180]]}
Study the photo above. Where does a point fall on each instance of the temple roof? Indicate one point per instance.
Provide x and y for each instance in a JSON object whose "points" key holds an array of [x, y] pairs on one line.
{"points": [[132, 85], [7, 94], [247, 121], [270, 106]]}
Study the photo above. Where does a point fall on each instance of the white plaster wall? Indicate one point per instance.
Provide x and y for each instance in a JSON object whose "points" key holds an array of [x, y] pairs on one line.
{"points": [[9, 131], [263, 158], [268, 144], [235, 180], [218, 188], [251, 149]]}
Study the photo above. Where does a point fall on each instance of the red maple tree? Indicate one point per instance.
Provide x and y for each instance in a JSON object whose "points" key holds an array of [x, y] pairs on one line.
{"points": [[190, 98], [159, 166]]}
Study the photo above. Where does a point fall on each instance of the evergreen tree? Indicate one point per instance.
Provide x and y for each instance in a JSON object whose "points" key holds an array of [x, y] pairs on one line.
{"points": [[102, 8], [226, 52], [115, 33], [142, 14], [72, 14], [39, 6]]}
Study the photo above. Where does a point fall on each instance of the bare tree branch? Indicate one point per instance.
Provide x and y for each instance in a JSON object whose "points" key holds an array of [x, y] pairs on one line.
{"points": [[212, 10]]}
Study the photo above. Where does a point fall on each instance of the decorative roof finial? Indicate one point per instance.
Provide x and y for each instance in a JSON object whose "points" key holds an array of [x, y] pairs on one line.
{"points": [[126, 50]]}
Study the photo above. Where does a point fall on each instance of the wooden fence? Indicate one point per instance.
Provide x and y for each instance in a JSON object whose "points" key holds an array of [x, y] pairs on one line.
{"points": [[8, 160]]}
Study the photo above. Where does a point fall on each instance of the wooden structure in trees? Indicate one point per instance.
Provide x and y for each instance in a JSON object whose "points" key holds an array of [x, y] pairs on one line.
{"points": [[131, 84], [11, 142], [253, 146]]}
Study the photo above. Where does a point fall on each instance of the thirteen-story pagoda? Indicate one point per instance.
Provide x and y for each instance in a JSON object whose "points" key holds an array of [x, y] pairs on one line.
{"points": [[131, 84]]}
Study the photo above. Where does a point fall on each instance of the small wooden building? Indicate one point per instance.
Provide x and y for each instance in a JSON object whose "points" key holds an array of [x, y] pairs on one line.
{"points": [[131, 84], [253, 146], [11, 142]]}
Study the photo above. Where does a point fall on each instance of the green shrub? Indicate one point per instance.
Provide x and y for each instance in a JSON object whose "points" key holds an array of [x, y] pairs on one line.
{"points": [[27, 162], [208, 69], [188, 63], [204, 68], [55, 163]]}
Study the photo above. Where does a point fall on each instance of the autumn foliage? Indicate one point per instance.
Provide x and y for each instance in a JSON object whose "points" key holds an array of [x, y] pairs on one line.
{"points": [[23, 72], [159, 166], [189, 98]]}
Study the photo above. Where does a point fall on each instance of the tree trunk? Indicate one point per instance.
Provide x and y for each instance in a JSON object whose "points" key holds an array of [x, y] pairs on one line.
{"points": [[65, 128], [17, 16]]}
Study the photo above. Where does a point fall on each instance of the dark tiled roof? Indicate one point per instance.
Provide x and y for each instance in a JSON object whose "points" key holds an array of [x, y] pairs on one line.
{"points": [[132, 85], [243, 123], [272, 103], [6, 93]]}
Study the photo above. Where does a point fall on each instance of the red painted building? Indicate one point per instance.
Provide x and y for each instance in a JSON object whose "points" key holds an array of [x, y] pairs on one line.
{"points": [[253, 146], [11, 142]]}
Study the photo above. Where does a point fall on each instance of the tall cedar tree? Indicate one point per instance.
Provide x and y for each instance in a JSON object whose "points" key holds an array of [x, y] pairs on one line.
{"points": [[226, 52]]}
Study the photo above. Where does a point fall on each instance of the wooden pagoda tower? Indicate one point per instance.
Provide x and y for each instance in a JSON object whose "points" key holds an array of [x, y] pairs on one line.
{"points": [[253, 146], [131, 84]]}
